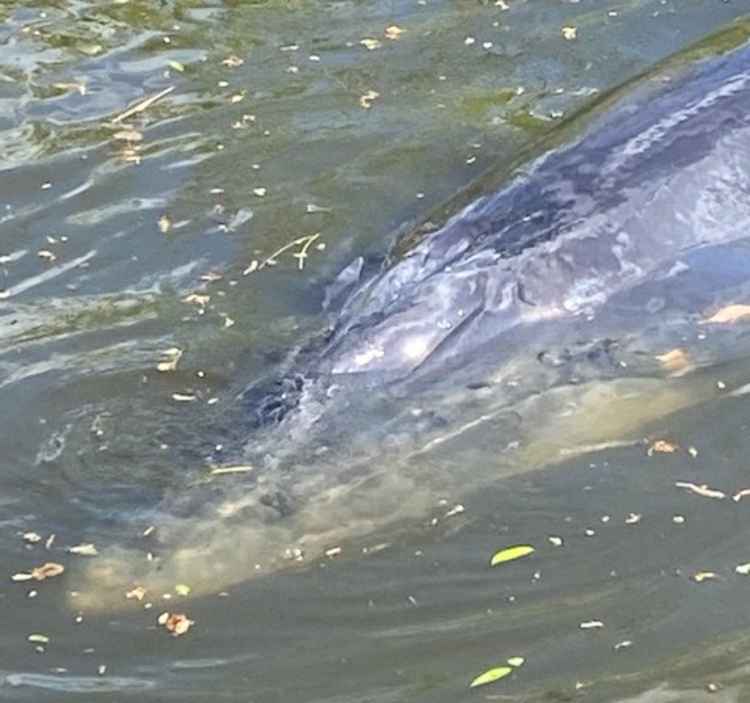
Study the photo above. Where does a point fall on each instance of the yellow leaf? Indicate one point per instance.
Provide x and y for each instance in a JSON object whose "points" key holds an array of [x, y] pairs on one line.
{"points": [[490, 676], [511, 553]]}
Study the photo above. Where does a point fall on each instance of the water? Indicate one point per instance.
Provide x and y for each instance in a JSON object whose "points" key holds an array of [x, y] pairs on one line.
{"points": [[106, 230]]}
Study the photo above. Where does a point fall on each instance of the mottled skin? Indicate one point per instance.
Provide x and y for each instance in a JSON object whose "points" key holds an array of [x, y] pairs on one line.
{"points": [[667, 170]]}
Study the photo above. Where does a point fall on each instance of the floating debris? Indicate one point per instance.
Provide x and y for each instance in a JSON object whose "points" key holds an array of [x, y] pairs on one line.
{"points": [[170, 359], [333, 552], [370, 44], [743, 569], [38, 639], [128, 135], [393, 32], [197, 299], [80, 87], [84, 550], [252, 267], [141, 106], [702, 576], [176, 623], [662, 446], [555, 541], [294, 554], [633, 518], [490, 676], [32, 537], [303, 243], [701, 490], [182, 589], [367, 99], [40, 573], [233, 61], [184, 397], [737, 497], [591, 625], [515, 662], [623, 645], [455, 510], [138, 593], [211, 277], [569, 32], [511, 553], [165, 224], [239, 469]]}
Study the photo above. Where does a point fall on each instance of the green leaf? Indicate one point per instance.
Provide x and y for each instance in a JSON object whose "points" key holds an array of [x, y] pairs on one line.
{"points": [[491, 675], [510, 553]]}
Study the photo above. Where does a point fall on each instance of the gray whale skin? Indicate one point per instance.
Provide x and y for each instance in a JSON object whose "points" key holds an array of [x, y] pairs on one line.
{"points": [[657, 184]]}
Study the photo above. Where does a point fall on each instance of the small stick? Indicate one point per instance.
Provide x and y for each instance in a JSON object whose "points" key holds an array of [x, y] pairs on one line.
{"points": [[304, 242], [141, 106]]}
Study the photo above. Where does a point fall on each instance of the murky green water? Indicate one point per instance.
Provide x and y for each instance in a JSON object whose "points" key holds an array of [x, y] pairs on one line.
{"points": [[124, 235]]}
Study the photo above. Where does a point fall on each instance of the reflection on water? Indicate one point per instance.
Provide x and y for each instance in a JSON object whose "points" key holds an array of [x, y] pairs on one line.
{"points": [[126, 233]]}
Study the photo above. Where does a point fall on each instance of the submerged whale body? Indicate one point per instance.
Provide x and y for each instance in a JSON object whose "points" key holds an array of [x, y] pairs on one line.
{"points": [[665, 172], [489, 329]]}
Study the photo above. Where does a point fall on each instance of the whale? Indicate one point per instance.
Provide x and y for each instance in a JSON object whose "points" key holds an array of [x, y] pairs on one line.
{"points": [[536, 316]]}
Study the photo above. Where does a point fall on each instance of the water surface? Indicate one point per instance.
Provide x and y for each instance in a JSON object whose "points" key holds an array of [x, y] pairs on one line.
{"points": [[123, 237]]}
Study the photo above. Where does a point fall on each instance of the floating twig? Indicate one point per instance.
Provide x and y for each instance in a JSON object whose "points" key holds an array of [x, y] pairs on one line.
{"points": [[141, 106]]}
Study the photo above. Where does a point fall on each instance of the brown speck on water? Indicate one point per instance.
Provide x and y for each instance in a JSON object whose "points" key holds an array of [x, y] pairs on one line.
{"points": [[662, 446], [138, 593], [176, 623]]}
